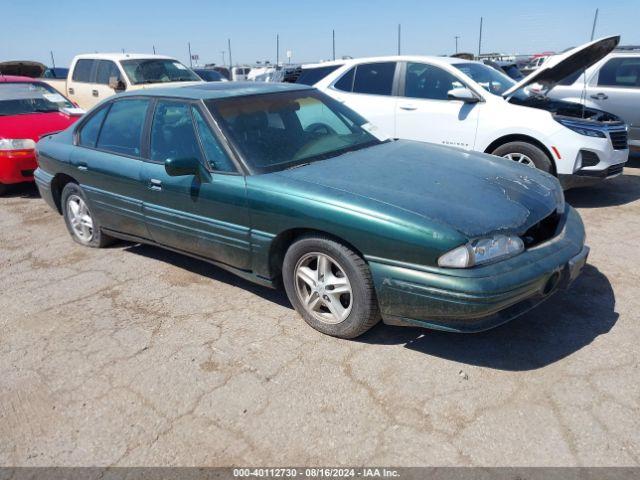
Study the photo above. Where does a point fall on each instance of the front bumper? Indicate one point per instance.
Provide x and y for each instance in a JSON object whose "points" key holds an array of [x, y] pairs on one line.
{"points": [[477, 299], [17, 169]]}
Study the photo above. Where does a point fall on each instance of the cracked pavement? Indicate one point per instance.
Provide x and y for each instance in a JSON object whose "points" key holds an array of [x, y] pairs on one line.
{"points": [[133, 356]]}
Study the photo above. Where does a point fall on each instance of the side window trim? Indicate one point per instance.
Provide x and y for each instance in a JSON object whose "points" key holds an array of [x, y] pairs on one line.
{"points": [[224, 143], [78, 129], [151, 113], [142, 138], [394, 82]]}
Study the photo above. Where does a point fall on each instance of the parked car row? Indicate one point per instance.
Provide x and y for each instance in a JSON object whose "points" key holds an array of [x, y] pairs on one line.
{"points": [[338, 192], [466, 104]]}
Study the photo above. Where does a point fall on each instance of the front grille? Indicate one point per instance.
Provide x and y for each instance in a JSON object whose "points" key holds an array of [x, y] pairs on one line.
{"points": [[615, 169], [542, 231], [619, 139]]}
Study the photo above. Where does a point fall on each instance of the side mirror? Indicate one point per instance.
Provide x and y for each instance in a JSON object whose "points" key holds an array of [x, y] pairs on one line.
{"points": [[178, 167], [464, 94], [116, 84]]}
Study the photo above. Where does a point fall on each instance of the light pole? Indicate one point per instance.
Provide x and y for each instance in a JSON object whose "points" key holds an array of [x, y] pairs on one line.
{"points": [[399, 36], [457, 37], [480, 39], [190, 59], [333, 33]]}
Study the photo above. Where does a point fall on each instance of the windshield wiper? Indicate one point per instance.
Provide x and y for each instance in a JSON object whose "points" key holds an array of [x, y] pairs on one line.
{"points": [[298, 165]]}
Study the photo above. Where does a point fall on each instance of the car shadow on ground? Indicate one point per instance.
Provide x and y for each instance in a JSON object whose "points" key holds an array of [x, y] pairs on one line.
{"points": [[200, 267], [565, 323], [609, 193], [22, 190]]}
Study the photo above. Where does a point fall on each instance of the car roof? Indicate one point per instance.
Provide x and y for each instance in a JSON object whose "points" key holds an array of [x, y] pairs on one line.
{"points": [[122, 56], [208, 91], [17, 79], [407, 58]]}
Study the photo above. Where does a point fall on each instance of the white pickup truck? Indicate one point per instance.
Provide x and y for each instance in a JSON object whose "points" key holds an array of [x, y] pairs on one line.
{"points": [[94, 77]]}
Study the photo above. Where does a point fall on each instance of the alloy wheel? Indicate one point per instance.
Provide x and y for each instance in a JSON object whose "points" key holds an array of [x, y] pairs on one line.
{"points": [[521, 158], [80, 218], [323, 288]]}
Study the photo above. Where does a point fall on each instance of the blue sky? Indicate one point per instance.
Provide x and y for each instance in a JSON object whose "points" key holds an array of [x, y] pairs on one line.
{"points": [[30, 29]]}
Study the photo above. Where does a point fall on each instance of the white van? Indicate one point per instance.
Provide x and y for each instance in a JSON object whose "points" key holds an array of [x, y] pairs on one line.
{"points": [[470, 105], [94, 77]]}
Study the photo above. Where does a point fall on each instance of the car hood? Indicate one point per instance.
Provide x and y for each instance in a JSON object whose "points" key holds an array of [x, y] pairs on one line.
{"points": [[561, 66], [22, 68], [474, 193], [34, 125]]}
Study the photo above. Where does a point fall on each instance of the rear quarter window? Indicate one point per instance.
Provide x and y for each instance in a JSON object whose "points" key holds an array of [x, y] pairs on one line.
{"points": [[122, 129]]}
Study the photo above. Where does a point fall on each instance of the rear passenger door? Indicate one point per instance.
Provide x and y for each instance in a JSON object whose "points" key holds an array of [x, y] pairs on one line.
{"points": [[108, 160], [81, 83], [202, 214], [370, 89]]}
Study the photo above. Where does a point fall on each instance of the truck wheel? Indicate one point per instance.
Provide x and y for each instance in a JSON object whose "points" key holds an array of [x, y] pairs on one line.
{"points": [[83, 226], [3, 189], [525, 153], [330, 286]]}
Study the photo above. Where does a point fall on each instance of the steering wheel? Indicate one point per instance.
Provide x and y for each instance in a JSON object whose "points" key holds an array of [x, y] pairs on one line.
{"points": [[319, 128]]}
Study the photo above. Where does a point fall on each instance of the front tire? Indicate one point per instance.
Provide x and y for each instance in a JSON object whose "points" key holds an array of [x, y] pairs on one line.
{"points": [[330, 286], [83, 226], [525, 153], [3, 189]]}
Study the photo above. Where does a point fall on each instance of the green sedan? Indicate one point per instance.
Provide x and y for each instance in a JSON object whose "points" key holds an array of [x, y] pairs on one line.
{"points": [[286, 187]]}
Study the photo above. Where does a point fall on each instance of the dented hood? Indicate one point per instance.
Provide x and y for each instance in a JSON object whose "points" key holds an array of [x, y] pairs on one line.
{"points": [[473, 193], [561, 66]]}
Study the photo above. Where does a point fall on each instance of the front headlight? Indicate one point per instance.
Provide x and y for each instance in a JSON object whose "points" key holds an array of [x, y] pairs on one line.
{"points": [[16, 144], [482, 251], [581, 128]]}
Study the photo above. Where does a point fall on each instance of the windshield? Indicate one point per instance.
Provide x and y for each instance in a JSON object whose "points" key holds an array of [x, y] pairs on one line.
{"points": [[26, 97], [276, 131], [154, 70], [487, 77]]}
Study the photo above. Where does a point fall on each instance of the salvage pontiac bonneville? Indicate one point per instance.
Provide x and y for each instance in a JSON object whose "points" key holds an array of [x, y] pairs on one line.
{"points": [[280, 183]]}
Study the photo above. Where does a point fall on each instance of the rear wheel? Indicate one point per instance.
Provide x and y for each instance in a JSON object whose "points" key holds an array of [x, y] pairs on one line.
{"points": [[526, 154], [3, 189], [81, 223], [330, 286]]}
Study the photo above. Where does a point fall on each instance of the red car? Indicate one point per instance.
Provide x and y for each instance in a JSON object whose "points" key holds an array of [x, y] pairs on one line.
{"points": [[29, 109]]}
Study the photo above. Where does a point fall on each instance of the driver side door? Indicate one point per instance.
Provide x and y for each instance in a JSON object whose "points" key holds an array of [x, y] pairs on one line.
{"points": [[425, 113], [203, 214]]}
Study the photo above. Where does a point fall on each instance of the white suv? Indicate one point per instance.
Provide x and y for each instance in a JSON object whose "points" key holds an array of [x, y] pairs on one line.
{"points": [[473, 106]]}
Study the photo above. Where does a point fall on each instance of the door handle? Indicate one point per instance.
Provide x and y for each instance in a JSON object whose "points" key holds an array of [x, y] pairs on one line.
{"points": [[155, 185], [95, 93], [408, 107], [600, 96], [71, 91], [83, 167]]}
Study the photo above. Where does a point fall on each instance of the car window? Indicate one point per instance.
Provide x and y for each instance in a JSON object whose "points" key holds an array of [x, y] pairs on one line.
{"points": [[172, 133], [374, 78], [492, 80], [215, 155], [18, 98], [268, 129], [122, 129], [346, 81], [157, 70], [430, 82], [91, 128], [106, 69], [310, 76], [82, 70], [620, 72]]}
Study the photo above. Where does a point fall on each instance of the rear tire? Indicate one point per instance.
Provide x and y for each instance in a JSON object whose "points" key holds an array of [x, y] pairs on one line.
{"points": [[3, 189], [526, 153], [83, 226], [330, 286]]}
